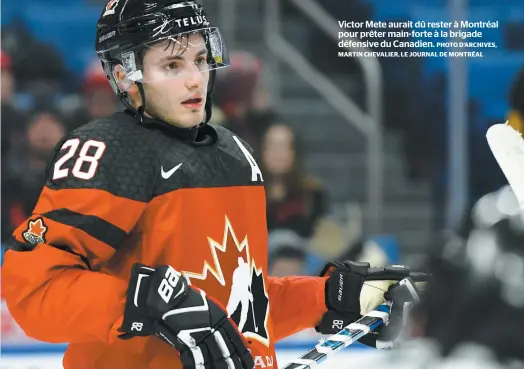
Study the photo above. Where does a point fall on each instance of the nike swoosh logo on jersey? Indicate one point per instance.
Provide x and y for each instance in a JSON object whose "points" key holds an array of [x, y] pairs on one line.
{"points": [[169, 173]]}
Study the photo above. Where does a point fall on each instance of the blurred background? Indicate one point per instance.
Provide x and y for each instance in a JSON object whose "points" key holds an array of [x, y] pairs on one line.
{"points": [[363, 159]]}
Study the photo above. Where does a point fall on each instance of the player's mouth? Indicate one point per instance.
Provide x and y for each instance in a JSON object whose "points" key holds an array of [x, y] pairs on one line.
{"points": [[193, 103]]}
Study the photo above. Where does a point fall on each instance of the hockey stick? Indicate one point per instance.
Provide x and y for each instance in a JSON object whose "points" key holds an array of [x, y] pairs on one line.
{"points": [[348, 335], [395, 273], [507, 146], [254, 320], [253, 309]]}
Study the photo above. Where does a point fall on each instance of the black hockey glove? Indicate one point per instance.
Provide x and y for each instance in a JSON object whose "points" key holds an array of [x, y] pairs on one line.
{"points": [[161, 303], [353, 288], [342, 293]]}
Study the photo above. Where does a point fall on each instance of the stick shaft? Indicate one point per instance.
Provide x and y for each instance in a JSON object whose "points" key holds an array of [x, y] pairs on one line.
{"points": [[348, 335]]}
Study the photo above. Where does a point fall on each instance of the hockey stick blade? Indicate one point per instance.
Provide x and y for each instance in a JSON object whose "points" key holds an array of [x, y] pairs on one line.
{"points": [[507, 147], [348, 335]]}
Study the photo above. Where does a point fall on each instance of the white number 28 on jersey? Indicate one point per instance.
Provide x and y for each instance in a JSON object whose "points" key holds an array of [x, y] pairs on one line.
{"points": [[86, 162]]}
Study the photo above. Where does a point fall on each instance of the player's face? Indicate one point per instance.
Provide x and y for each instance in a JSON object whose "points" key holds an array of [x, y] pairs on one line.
{"points": [[278, 150], [284, 267], [44, 133], [179, 76]]}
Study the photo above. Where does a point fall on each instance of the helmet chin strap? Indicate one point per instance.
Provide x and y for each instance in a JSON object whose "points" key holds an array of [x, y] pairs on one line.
{"points": [[142, 108], [124, 97]]}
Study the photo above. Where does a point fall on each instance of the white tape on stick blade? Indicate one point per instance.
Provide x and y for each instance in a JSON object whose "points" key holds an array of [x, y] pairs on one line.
{"points": [[507, 146]]}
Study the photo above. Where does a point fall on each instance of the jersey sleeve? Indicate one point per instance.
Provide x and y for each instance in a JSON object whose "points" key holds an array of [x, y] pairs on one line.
{"points": [[297, 303], [92, 200]]}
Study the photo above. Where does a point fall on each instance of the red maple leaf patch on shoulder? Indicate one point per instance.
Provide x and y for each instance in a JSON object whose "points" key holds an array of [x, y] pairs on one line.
{"points": [[36, 231]]}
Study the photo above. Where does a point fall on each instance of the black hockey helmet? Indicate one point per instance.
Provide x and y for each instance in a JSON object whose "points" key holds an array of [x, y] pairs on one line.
{"points": [[476, 293], [126, 28]]}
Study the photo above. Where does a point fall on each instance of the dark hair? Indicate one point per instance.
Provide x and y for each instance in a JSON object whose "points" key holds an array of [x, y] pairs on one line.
{"points": [[286, 252], [295, 179], [39, 111]]}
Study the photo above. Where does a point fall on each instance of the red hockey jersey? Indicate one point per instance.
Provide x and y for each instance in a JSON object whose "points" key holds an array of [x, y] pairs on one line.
{"points": [[119, 192]]}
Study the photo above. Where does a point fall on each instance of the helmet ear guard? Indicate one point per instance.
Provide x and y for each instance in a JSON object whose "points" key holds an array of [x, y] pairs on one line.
{"points": [[112, 70], [120, 82], [121, 78]]}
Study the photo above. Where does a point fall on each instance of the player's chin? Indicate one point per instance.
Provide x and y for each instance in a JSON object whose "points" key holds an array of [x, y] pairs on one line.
{"points": [[192, 117]]}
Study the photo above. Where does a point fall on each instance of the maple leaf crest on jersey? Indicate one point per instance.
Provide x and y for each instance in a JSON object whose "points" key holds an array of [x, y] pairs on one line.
{"points": [[234, 272]]}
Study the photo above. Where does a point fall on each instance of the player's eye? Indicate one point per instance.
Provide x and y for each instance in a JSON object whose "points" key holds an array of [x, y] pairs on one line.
{"points": [[171, 66], [200, 60]]}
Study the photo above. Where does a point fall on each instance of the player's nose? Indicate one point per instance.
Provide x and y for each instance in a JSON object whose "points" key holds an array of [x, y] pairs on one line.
{"points": [[194, 79]]}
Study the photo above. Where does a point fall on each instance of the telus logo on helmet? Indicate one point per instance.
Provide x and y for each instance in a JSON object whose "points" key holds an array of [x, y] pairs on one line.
{"points": [[168, 25], [111, 7]]}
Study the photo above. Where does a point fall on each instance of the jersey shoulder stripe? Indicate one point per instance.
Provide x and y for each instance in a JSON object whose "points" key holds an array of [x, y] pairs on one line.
{"points": [[48, 232], [118, 211], [96, 227], [16, 245]]}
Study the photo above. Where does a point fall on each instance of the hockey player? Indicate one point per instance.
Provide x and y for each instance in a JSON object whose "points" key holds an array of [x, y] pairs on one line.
{"points": [[130, 252]]}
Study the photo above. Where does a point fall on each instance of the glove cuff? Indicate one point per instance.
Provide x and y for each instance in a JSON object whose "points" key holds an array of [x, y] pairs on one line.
{"points": [[137, 321], [333, 322]]}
